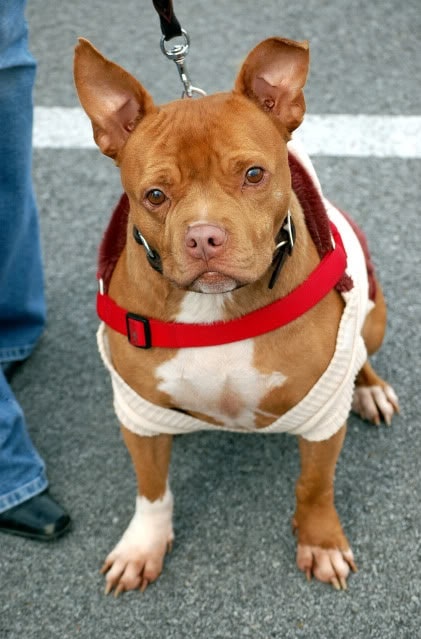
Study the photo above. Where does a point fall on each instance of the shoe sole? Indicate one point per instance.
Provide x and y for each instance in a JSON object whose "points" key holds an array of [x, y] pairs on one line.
{"points": [[35, 536]]}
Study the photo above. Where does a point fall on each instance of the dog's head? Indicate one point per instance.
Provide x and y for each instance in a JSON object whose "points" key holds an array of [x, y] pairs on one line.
{"points": [[207, 179]]}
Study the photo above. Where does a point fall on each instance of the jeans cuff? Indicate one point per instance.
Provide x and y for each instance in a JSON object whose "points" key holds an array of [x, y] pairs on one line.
{"points": [[15, 354], [22, 494]]}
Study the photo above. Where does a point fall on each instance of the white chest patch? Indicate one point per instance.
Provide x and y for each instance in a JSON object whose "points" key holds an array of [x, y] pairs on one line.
{"points": [[218, 381]]}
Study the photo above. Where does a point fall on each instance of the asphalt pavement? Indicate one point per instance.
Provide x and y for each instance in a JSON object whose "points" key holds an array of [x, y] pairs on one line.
{"points": [[232, 571]]}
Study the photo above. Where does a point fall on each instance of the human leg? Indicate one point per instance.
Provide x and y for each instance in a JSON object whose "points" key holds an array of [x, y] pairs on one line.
{"points": [[22, 471], [22, 302], [25, 508]]}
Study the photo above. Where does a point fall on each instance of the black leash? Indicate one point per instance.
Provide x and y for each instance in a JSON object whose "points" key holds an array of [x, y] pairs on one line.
{"points": [[171, 28]]}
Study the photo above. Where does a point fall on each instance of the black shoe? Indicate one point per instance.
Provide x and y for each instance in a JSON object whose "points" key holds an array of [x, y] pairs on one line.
{"points": [[38, 518], [10, 368]]}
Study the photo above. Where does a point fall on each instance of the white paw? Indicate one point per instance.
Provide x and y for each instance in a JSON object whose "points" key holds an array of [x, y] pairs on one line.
{"points": [[375, 403], [327, 565], [138, 557]]}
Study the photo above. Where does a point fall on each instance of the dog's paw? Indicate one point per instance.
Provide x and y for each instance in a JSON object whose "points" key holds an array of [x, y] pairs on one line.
{"points": [[137, 559], [327, 565], [374, 403], [132, 567]]}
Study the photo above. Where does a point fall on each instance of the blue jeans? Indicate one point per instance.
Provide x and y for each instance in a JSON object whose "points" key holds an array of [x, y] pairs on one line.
{"points": [[22, 302]]}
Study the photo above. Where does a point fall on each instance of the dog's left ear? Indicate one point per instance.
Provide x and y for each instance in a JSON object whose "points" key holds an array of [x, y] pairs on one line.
{"points": [[113, 99], [273, 75]]}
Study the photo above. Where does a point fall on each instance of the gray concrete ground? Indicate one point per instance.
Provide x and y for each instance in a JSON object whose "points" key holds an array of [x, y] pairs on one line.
{"points": [[232, 571]]}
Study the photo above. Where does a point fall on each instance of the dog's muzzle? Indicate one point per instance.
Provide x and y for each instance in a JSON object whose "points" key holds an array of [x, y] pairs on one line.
{"points": [[284, 245]]}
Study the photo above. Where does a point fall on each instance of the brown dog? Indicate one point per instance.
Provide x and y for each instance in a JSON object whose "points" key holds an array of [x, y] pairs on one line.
{"points": [[226, 266]]}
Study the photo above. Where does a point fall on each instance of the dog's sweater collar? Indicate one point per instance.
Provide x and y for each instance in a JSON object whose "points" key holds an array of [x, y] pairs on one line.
{"points": [[144, 332]]}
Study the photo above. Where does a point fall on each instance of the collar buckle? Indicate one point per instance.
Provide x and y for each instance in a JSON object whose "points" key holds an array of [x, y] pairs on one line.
{"points": [[138, 331]]}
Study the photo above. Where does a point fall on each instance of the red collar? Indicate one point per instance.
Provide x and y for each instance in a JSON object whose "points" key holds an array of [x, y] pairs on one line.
{"points": [[145, 333]]}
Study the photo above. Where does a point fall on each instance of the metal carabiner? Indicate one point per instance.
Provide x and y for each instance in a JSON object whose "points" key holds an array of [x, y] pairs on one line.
{"points": [[178, 54]]}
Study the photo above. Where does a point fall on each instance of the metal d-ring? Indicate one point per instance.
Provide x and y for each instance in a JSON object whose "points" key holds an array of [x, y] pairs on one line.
{"points": [[153, 256], [288, 228], [178, 50], [142, 241]]}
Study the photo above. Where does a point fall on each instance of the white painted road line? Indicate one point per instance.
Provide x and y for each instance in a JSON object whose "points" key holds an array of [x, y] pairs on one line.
{"points": [[380, 136], [62, 128]]}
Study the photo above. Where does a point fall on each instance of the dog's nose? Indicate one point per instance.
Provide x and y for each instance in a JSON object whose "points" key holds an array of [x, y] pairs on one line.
{"points": [[204, 241]]}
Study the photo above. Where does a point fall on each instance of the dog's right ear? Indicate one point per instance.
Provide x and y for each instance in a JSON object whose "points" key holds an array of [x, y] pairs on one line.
{"points": [[273, 75], [113, 99]]}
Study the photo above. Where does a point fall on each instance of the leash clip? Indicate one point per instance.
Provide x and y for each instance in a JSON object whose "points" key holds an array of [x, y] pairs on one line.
{"points": [[178, 54]]}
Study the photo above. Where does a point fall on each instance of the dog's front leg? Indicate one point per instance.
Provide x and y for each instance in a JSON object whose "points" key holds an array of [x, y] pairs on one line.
{"points": [[323, 550], [138, 558]]}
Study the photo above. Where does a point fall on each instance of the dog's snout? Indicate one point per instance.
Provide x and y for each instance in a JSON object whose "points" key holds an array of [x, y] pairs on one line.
{"points": [[205, 241]]}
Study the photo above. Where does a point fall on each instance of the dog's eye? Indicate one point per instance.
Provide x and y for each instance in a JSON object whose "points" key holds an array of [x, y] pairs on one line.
{"points": [[255, 175], [156, 196]]}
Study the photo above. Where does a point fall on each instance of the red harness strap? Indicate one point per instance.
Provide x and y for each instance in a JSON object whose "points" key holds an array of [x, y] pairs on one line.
{"points": [[145, 333]]}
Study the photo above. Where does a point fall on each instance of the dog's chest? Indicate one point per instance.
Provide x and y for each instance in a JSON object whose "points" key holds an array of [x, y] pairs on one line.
{"points": [[220, 382]]}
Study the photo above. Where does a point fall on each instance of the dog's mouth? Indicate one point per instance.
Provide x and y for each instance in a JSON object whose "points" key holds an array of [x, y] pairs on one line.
{"points": [[211, 282], [214, 282], [214, 279]]}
